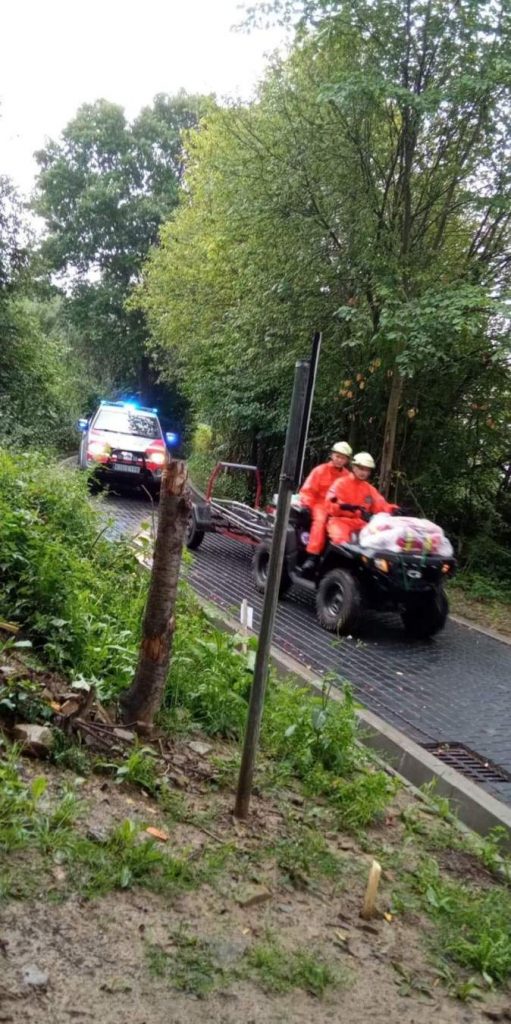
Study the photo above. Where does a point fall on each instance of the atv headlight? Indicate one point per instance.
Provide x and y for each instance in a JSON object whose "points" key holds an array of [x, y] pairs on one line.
{"points": [[382, 564]]}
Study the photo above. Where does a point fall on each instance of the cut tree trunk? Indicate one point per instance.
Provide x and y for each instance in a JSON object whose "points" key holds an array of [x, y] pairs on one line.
{"points": [[389, 440], [144, 698]]}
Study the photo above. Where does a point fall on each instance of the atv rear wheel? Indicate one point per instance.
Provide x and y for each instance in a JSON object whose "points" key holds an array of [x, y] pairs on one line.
{"points": [[260, 563], [423, 619], [193, 536], [338, 601]]}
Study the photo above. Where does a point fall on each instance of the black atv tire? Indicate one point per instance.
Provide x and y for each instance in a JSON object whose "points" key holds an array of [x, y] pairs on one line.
{"points": [[260, 564], [338, 601], [424, 618], [193, 536]]}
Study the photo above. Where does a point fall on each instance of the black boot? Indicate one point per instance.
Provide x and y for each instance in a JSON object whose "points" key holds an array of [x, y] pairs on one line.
{"points": [[310, 565]]}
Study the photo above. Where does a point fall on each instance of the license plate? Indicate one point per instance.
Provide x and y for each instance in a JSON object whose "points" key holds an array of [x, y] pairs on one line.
{"points": [[126, 469]]}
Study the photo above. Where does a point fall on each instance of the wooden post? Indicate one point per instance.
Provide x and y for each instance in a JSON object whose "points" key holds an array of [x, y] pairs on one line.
{"points": [[143, 699], [373, 881]]}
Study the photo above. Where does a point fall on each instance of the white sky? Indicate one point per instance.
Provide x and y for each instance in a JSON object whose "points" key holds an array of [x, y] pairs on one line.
{"points": [[58, 54]]}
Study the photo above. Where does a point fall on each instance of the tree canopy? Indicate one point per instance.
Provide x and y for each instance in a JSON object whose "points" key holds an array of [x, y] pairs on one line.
{"points": [[103, 189], [367, 193]]}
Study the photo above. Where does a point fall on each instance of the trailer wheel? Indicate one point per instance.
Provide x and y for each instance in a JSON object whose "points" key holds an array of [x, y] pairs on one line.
{"points": [[260, 564], [193, 536]]}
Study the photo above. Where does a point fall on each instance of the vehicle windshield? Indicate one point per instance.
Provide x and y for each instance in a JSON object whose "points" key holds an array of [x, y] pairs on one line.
{"points": [[128, 421]]}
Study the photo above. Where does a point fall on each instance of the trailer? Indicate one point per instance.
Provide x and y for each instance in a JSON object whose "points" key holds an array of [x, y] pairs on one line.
{"points": [[248, 524]]}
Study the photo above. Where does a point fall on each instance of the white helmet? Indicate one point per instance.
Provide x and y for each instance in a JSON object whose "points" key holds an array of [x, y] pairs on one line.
{"points": [[342, 448], [365, 460]]}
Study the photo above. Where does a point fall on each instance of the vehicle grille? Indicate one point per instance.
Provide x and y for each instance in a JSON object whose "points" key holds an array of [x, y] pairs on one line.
{"points": [[130, 458]]}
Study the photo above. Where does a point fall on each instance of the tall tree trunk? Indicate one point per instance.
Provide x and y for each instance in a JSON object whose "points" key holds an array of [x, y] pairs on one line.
{"points": [[141, 702], [389, 439]]}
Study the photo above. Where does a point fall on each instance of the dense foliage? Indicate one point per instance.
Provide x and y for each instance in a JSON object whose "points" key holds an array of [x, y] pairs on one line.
{"points": [[60, 576], [67, 336], [41, 383], [103, 189], [366, 193]]}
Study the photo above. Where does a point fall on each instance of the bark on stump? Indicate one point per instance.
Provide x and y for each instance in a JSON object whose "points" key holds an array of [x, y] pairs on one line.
{"points": [[143, 700]]}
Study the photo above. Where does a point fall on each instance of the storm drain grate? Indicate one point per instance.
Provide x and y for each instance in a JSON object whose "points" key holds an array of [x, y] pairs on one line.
{"points": [[466, 761]]}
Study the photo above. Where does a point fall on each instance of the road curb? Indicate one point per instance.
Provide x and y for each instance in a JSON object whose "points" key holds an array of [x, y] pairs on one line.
{"points": [[478, 810], [492, 633]]}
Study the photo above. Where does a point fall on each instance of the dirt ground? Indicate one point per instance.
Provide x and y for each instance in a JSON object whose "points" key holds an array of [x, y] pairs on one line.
{"points": [[93, 955], [495, 615]]}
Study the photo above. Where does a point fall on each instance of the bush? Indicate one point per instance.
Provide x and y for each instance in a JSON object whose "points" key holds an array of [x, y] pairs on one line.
{"points": [[79, 596]]}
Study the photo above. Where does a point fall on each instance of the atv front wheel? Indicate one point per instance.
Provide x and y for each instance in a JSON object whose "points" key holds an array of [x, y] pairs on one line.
{"points": [[338, 601], [423, 619], [260, 563]]}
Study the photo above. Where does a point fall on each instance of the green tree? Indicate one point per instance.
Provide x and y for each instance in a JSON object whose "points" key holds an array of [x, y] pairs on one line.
{"points": [[367, 193], [42, 385], [103, 189]]}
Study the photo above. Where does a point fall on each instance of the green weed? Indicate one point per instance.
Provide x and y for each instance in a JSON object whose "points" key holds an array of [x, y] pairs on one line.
{"points": [[191, 968], [21, 699], [305, 855], [447, 834], [48, 829], [67, 754], [279, 970], [173, 803], [473, 925], [123, 860], [138, 769]]}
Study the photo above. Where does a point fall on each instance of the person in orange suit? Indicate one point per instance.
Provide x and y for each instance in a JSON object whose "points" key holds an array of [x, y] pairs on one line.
{"points": [[313, 494], [352, 501]]}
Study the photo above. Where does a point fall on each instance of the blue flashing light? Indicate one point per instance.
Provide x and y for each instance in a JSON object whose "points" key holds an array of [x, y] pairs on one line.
{"points": [[171, 438]]}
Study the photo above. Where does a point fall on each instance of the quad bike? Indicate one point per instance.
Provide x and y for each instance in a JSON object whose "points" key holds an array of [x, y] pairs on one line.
{"points": [[349, 579]]}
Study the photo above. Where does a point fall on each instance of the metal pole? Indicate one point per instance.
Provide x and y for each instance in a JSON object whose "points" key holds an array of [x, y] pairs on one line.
{"points": [[311, 384], [258, 689]]}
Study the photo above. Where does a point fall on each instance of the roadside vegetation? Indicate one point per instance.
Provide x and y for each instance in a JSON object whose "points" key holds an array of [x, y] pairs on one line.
{"points": [[112, 814]]}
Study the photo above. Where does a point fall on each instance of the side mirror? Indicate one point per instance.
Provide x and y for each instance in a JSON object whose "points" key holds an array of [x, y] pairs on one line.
{"points": [[82, 425], [171, 438]]}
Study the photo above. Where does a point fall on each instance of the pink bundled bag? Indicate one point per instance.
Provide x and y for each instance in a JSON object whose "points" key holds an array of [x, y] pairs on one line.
{"points": [[405, 534]]}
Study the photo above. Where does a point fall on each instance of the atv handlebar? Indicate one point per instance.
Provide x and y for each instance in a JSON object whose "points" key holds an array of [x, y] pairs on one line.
{"points": [[352, 508]]}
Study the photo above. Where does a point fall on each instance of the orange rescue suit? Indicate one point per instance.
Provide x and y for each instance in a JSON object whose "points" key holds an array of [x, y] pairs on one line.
{"points": [[312, 496], [342, 522]]}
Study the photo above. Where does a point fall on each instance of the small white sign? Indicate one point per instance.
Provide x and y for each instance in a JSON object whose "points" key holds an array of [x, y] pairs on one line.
{"points": [[246, 615]]}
